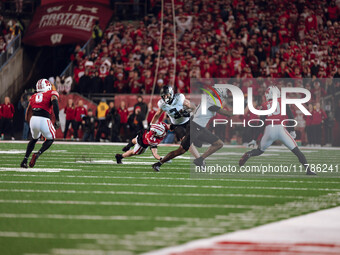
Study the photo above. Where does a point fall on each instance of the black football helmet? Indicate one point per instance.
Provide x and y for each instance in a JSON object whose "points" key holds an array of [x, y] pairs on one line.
{"points": [[167, 94]]}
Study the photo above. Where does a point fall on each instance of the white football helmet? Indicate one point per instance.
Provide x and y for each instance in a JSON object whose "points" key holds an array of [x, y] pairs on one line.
{"points": [[222, 92], [158, 129], [270, 91], [43, 85]]}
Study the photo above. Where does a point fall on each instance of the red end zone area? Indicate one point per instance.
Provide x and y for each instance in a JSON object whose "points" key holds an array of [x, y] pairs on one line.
{"points": [[252, 248], [299, 235]]}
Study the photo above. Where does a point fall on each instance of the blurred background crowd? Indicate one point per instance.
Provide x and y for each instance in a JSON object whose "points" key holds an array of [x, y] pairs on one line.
{"points": [[238, 39]]}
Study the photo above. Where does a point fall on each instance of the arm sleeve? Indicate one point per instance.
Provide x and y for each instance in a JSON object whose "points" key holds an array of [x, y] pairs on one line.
{"points": [[214, 108], [55, 108], [290, 116]]}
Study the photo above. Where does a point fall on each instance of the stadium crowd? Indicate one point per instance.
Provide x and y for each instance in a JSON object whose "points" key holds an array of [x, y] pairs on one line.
{"points": [[221, 39], [9, 29], [239, 39]]}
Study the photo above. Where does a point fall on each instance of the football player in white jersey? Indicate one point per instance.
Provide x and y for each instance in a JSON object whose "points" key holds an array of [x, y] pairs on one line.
{"points": [[178, 108], [199, 132], [275, 131]]}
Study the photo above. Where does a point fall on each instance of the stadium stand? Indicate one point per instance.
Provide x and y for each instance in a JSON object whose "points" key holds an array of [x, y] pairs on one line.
{"points": [[220, 39], [241, 39]]}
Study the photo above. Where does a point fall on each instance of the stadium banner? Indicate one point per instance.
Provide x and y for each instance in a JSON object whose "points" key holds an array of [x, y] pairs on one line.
{"points": [[66, 23], [259, 113], [45, 2]]}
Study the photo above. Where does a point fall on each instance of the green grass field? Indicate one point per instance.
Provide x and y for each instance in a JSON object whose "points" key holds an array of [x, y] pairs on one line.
{"points": [[86, 204]]}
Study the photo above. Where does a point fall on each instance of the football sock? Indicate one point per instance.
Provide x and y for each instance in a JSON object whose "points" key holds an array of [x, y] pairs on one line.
{"points": [[30, 148], [130, 144], [47, 144], [255, 152], [301, 157]]}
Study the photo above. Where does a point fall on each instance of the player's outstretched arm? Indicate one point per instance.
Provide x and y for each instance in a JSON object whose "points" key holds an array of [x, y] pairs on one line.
{"points": [[54, 100], [191, 107], [28, 113], [224, 112], [157, 115], [155, 154]]}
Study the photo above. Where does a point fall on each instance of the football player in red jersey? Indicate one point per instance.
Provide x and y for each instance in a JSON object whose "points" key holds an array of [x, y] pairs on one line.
{"points": [[143, 140], [40, 106], [275, 131]]}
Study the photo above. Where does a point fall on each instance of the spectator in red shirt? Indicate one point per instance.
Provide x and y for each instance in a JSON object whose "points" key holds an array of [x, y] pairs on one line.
{"points": [[319, 116], [70, 112], [1, 121], [7, 118], [80, 112], [308, 128], [333, 11], [311, 22], [123, 113], [120, 85]]}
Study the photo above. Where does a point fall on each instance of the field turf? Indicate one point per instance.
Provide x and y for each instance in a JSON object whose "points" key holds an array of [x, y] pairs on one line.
{"points": [[77, 200]]}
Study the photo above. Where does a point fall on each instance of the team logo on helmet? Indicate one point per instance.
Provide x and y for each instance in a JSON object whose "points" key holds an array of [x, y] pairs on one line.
{"points": [[43, 85], [158, 130], [270, 91]]}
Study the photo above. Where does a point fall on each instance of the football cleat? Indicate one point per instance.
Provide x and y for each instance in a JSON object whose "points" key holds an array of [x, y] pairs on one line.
{"points": [[24, 164], [119, 158], [33, 159], [309, 172], [157, 166], [244, 159], [199, 162]]}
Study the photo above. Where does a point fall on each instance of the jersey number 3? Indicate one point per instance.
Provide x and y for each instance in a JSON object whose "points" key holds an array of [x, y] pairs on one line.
{"points": [[177, 115], [39, 98]]}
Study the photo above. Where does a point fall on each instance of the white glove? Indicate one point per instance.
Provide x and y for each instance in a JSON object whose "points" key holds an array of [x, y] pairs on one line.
{"points": [[293, 134], [252, 144]]}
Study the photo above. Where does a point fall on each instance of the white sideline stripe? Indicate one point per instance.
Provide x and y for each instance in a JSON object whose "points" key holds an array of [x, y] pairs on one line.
{"points": [[167, 185], [322, 227], [95, 217], [36, 170], [167, 178], [163, 145], [149, 193], [66, 202]]}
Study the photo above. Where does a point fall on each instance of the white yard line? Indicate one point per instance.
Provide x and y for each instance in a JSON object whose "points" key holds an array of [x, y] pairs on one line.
{"points": [[36, 170], [164, 178], [169, 185], [148, 193], [110, 203], [95, 217], [314, 233]]}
